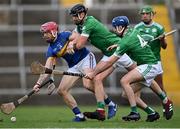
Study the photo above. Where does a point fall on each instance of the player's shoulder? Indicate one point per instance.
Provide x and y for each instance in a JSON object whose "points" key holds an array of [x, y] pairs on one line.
{"points": [[90, 19], [64, 33], [139, 25], [158, 25]]}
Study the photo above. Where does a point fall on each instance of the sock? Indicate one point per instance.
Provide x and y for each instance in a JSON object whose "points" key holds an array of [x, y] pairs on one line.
{"points": [[76, 111], [149, 110], [163, 97], [100, 105], [109, 102], [134, 109]]}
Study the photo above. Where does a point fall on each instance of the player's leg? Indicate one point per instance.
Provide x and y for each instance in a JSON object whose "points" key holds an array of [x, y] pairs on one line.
{"points": [[159, 78], [112, 107], [152, 115], [100, 96], [159, 81], [88, 66], [154, 70], [167, 103], [126, 81], [125, 61], [65, 85]]}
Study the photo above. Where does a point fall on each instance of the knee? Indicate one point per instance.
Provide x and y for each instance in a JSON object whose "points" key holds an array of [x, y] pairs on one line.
{"points": [[123, 82], [61, 91], [124, 95], [98, 78], [88, 87]]}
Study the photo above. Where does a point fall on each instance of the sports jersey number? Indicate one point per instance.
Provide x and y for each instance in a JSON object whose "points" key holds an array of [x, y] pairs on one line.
{"points": [[142, 41]]}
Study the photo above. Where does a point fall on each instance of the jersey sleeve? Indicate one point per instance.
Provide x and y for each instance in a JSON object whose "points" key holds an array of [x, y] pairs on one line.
{"points": [[87, 28], [49, 53], [161, 30], [122, 48], [67, 34]]}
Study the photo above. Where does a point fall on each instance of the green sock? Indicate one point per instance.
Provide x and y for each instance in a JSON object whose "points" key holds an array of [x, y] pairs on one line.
{"points": [[134, 109], [149, 110], [101, 105], [162, 96]]}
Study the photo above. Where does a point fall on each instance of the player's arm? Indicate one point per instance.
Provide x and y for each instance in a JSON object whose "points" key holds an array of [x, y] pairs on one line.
{"points": [[81, 42], [72, 42], [78, 43], [112, 59], [162, 38], [83, 38], [102, 66], [50, 63], [163, 42]]}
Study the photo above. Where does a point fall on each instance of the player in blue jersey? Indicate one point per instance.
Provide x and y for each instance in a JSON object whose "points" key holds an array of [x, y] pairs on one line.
{"points": [[81, 61]]}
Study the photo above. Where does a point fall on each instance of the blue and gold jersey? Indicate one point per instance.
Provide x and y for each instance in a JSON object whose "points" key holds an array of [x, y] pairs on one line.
{"points": [[58, 48]]}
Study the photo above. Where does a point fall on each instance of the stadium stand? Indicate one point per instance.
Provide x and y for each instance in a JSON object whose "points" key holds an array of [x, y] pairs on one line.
{"points": [[21, 42]]}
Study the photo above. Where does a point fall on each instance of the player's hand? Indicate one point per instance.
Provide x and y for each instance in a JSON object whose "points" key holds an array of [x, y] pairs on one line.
{"points": [[36, 88], [89, 75], [112, 47], [70, 48], [161, 37]]}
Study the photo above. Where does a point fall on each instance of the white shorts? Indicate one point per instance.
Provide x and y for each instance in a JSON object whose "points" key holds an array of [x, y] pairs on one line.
{"points": [[160, 65], [88, 62], [149, 72], [124, 61]]}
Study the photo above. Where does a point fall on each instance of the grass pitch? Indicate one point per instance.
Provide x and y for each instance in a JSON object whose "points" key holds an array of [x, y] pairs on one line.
{"points": [[61, 117]]}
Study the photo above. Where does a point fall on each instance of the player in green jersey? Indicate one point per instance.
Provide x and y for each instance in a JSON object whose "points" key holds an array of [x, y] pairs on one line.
{"points": [[150, 30], [148, 68], [88, 28], [91, 29], [79, 14]]}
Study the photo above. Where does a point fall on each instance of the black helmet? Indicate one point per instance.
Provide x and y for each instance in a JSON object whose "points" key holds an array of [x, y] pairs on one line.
{"points": [[78, 8]]}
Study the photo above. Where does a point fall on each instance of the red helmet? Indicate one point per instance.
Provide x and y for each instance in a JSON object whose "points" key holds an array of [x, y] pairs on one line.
{"points": [[49, 27]]}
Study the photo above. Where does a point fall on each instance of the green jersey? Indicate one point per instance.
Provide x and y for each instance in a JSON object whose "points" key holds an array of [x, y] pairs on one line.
{"points": [[135, 46], [149, 32], [98, 34]]}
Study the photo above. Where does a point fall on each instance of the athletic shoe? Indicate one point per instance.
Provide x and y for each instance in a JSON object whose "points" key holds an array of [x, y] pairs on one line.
{"points": [[153, 117], [132, 116], [79, 119], [168, 109], [98, 114], [112, 111]]}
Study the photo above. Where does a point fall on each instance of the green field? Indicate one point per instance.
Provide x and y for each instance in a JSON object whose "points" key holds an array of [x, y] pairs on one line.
{"points": [[61, 117]]}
